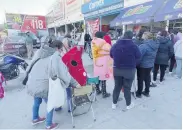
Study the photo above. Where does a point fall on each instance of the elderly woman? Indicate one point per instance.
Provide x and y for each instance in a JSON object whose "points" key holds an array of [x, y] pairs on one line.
{"points": [[148, 50], [125, 55], [38, 81], [164, 54]]}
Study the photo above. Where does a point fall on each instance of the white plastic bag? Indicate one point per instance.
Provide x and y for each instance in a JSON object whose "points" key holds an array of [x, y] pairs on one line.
{"points": [[56, 95]]}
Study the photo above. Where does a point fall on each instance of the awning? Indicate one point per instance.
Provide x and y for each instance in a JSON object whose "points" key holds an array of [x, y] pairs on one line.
{"points": [[115, 22], [142, 13], [170, 11]]}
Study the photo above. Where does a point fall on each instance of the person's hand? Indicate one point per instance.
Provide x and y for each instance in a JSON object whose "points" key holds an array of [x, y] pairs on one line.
{"points": [[78, 86]]}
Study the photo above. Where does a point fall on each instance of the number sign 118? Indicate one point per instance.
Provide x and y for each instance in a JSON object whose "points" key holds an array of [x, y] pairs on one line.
{"points": [[37, 24]]}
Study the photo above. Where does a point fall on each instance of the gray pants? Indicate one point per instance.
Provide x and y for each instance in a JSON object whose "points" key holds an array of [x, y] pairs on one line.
{"points": [[123, 79]]}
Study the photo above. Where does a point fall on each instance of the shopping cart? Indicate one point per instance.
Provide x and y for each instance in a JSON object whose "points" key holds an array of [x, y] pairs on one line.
{"points": [[83, 96]]}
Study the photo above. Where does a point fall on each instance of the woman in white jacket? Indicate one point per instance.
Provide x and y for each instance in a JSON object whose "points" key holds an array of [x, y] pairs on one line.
{"points": [[178, 57], [38, 80]]}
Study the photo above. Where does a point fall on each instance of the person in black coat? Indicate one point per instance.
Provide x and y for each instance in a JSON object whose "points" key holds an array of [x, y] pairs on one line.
{"points": [[165, 52]]}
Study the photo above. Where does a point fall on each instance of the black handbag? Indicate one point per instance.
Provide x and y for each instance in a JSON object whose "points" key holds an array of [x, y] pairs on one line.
{"points": [[27, 74]]}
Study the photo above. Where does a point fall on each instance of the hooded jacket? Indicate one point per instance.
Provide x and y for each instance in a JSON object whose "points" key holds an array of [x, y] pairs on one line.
{"points": [[148, 50], [38, 81], [165, 51], [125, 54]]}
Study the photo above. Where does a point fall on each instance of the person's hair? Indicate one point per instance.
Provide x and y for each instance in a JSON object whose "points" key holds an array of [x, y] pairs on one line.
{"points": [[56, 44], [140, 34], [100, 34], [128, 35], [147, 35], [164, 33]]}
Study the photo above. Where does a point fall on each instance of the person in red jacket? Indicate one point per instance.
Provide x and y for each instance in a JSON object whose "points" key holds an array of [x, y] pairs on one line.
{"points": [[107, 38]]}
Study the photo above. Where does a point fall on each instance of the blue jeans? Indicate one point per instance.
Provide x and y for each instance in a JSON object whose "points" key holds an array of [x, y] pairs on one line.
{"points": [[179, 67], [49, 116]]}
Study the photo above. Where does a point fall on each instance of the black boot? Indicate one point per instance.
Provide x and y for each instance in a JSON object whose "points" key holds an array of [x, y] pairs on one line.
{"points": [[98, 89], [104, 92]]}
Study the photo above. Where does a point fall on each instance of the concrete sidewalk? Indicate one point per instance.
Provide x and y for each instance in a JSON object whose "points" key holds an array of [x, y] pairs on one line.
{"points": [[160, 111]]}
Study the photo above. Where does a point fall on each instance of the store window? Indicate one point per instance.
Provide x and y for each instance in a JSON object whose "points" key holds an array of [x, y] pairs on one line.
{"points": [[175, 24]]}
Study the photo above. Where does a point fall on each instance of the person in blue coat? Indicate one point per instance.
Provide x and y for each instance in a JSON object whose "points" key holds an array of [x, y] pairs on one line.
{"points": [[148, 50]]}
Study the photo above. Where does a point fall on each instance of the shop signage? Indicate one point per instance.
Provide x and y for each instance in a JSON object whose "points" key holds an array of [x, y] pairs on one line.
{"points": [[93, 27], [94, 5], [72, 7], [171, 16], [24, 22], [109, 9], [129, 3], [137, 10], [58, 10], [178, 5]]}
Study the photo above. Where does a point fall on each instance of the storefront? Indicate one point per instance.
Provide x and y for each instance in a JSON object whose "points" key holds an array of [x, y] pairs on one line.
{"points": [[171, 13], [65, 16], [134, 17], [55, 17], [99, 13]]}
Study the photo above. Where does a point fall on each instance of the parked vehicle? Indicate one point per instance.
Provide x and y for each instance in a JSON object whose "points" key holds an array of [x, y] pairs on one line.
{"points": [[14, 45], [9, 66], [36, 41]]}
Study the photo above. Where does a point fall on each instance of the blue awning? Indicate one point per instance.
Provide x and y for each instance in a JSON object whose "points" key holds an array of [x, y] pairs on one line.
{"points": [[142, 13], [170, 11]]}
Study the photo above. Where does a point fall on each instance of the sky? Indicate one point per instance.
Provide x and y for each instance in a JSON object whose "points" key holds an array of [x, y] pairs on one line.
{"points": [[34, 7]]}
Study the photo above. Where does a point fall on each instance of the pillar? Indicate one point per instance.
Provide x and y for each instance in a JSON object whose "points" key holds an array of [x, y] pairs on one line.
{"points": [[100, 19], [124, 29], [66, 29], [167, 25]]}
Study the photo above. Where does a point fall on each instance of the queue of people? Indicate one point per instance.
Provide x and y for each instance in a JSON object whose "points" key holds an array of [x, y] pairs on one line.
{"points": [[146, 53], [140, 56]]}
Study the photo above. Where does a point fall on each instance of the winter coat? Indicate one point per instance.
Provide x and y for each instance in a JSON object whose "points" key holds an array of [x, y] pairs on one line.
{"points": [[165, 51], [178, 49], [28, 40], [38, 81], [102, 60], [138, 42], [125, 54], [107, 38], [148, 50]]}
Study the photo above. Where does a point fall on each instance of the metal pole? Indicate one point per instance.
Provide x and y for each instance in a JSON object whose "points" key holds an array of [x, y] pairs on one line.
{"points": [[100, 23]]}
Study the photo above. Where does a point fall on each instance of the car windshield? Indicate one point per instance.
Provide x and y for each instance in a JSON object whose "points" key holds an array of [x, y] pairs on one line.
{"points": [[16, 39]]}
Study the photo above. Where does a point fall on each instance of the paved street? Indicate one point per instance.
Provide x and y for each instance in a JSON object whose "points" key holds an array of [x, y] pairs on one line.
{"points": [[160, 111]]}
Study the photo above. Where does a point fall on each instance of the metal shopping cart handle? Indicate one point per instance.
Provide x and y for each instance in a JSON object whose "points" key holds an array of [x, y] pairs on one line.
{"points": [[92, 80]]}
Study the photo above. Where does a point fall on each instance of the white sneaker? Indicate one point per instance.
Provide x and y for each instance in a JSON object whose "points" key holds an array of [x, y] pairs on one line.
{"points": [[130, 106], [153, 82], [114, 106], [170, 73], [161, 83]]}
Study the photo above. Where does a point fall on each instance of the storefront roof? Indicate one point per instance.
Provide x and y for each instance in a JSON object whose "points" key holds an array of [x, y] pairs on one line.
{"points": [[170, 11], [142, 13]]}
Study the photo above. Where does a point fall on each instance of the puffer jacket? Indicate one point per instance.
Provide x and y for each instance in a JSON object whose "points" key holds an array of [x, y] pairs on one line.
{"points": [[148, 50], [165, 51], [38, 81], [178, 49]]}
